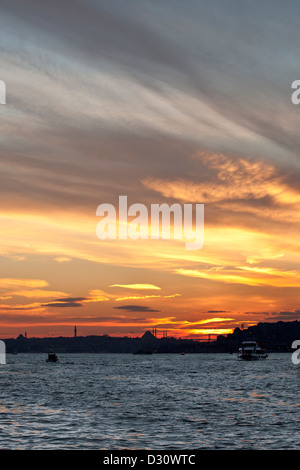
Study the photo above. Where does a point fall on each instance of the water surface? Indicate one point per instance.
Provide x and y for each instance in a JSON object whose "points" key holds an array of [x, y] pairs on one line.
{"points": [[163, 401]]}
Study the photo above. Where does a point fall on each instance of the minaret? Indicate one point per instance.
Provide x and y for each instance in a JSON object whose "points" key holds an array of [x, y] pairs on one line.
{"points": [[75, 332]]}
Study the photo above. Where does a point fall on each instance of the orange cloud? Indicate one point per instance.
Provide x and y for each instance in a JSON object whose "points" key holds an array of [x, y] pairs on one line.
{"points": [[139, 297], [96, 295], [8, 283], [237, 179]]}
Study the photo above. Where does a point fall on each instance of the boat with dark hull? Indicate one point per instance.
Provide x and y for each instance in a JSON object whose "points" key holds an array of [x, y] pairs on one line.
{"points": [[52, 357]]}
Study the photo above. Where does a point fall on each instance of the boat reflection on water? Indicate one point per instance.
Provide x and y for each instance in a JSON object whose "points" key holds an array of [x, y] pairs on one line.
{"points": [[143, 351], [250, 351]]}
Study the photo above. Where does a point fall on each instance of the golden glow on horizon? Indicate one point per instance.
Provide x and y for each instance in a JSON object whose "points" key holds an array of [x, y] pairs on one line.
{"points": [[211, 331], [214, 320]]}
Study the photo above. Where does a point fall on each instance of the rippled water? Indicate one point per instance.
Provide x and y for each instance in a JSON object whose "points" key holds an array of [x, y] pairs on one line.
{"points": [[122, 401]]}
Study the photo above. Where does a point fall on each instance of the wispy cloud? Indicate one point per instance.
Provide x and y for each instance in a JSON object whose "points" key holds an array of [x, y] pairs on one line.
{"points": [[137, 286], [257, 277]]}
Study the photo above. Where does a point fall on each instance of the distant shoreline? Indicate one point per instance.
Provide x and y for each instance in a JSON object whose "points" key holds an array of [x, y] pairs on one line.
{"points": [[274, 337]]}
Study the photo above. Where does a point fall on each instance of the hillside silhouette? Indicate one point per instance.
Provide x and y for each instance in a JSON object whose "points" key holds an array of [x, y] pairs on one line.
{"points": [[275, 337]]}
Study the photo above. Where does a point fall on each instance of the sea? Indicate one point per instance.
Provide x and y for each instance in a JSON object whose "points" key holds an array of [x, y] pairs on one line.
{"points": [[153, 402]]}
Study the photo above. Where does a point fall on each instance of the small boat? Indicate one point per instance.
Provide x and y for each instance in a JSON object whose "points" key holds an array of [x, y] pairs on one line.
{"points": [[250, 351], [52, 357]]}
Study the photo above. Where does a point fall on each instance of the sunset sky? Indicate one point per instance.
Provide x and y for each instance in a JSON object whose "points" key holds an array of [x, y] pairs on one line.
{"points": [[165, 102]]}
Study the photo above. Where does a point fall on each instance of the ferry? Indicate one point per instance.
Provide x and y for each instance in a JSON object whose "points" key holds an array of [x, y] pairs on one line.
{"points": [[52, 357], [250, 351]]}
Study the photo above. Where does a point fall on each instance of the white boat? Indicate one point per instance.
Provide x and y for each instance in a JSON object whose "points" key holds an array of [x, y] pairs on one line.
{"points": [[250, 351]]}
